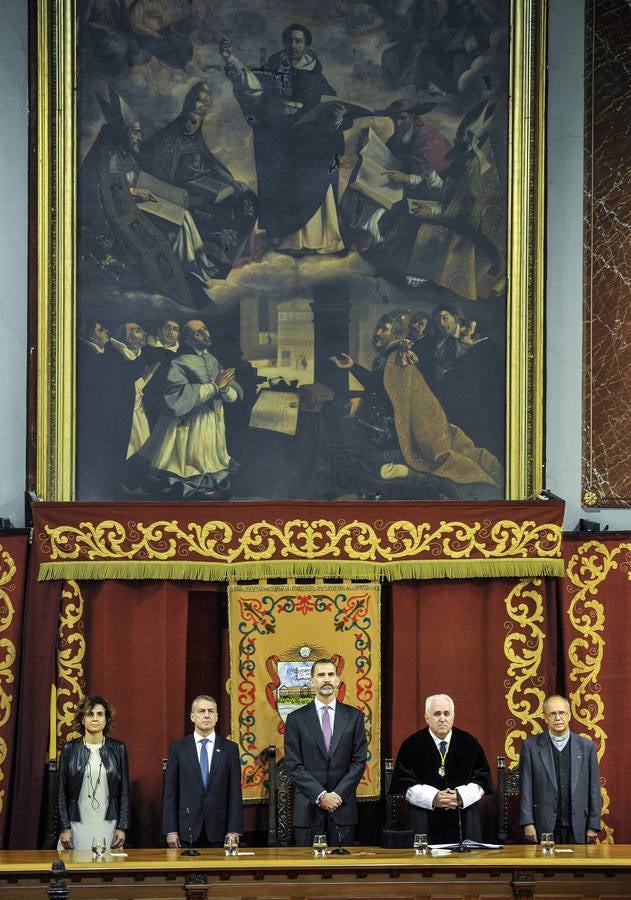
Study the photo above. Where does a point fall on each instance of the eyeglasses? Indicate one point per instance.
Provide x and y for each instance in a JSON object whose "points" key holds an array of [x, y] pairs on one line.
{"points": [[556, 715]]}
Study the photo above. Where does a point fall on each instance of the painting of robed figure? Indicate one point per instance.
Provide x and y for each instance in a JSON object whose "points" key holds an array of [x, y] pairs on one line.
{"points": [[291, 239]]}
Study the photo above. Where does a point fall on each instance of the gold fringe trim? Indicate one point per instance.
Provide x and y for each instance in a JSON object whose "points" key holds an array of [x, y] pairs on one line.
{"points": [[314, 568]]}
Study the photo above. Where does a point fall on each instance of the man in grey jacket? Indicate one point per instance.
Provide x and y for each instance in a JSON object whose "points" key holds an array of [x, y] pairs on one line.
{"points": [[559, 781]]}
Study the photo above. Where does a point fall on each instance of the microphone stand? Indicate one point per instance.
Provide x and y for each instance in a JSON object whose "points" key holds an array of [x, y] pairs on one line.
{"points": [[462, 847], [190, 850]]}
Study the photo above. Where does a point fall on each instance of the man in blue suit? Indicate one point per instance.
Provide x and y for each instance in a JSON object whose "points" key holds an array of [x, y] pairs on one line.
{"points": [[559, 781], [325, 755], [202, 785]]}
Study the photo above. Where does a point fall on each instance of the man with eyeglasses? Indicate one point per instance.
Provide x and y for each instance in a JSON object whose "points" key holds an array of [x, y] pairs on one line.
{"points": [[559, 781]]}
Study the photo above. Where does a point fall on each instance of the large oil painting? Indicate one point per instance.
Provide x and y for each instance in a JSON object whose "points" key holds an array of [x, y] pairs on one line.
{"points": [[290, 253]]}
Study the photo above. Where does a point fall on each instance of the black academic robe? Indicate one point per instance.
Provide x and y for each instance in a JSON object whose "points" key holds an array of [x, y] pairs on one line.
{"points": [[418, 762], [297, 156]]}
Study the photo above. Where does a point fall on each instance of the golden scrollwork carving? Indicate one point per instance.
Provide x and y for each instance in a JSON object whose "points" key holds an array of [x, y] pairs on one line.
{"points": [[587, 569], [300, 539], [71, 649], [523, 649], [8, 570]]}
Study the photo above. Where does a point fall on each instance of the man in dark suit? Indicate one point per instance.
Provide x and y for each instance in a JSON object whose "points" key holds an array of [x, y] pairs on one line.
{"points": [[202, 786], [559, 781], [325, 755]]}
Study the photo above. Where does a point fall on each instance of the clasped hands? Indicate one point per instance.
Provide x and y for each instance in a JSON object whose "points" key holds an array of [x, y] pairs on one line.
{"points": [[330, 801], [225, 378], [447, 799]]}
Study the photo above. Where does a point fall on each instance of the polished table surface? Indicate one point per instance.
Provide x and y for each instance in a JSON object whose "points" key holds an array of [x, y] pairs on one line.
{"points": [[515, 871], [520, 856]]}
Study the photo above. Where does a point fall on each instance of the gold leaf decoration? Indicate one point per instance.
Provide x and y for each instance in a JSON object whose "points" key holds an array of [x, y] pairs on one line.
{"points": [[523, 649], [300, 539], [71, 648], [587, 569], [8, 570]]}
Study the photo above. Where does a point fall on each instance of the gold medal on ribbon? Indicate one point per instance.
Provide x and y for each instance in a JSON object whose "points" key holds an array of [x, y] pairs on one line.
{"points": [[443, 757]]}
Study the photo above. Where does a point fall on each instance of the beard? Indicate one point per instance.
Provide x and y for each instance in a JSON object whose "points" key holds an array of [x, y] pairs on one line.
{"points": [[405, 135]]}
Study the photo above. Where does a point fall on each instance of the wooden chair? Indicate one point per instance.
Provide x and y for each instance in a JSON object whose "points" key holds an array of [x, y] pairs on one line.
{"points": [[280, 802], [52, 814], [508, 830], [396, 832]]}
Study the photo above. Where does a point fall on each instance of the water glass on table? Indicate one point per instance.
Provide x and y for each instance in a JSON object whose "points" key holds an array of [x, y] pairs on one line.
{"points": [[230, 845], [98, 847], [319, 845], [420, 844], [547, 842]]}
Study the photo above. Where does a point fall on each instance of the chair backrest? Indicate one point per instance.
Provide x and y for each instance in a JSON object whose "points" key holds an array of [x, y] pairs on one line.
{"points": [[280, 803], [508, 830], [397, 807], [53, 826]]}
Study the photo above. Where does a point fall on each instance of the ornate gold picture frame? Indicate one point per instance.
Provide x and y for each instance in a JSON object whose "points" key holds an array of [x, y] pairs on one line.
{"points": [[57, 77]]}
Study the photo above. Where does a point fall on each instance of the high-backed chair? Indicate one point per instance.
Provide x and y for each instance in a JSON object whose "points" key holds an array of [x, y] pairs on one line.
{"points": [[396, 831], [52, 814], [280, 803], [508, 830]]}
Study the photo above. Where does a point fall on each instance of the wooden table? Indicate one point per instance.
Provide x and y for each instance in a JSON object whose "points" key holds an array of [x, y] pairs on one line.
{"points": [[292, 874]]}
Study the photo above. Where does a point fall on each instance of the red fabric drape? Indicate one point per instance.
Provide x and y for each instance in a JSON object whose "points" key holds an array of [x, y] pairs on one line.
{"points": [[151, 648], [450, 637], [216, 541], [13, 567], [37, 673], [487, 644], [136, 649], [596, 617], [497, 646]]}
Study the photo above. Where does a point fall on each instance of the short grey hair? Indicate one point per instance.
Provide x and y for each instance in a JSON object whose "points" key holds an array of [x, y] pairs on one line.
{"points": [[202, 697], [568, 705], [429, 700]]}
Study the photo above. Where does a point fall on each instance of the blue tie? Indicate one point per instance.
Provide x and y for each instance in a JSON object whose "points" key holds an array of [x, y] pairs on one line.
{"points": [[203, 761]]}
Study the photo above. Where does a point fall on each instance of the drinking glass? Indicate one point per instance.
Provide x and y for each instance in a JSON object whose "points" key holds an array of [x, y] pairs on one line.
{"points": [[547, 842], [319, 845], [98, 846], [420, 844], [230, 846]]}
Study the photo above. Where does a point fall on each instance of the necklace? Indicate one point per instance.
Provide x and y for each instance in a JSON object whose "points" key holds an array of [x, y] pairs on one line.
{"points": [[94, 785]]}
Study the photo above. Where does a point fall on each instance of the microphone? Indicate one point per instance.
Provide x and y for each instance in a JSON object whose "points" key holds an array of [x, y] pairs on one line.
{"points": [[190, 850], [462, 847]]}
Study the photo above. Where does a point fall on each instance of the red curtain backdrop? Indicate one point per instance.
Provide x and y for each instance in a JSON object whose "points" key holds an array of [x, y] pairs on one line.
{"points": [[497, 646], [13, 566], [208, 542], [151, 647], [37, 673], [490, 645]]}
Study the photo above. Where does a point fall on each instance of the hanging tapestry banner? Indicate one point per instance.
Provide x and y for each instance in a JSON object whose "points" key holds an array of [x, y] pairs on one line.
{"points": [[372, 540], [276, 634]]}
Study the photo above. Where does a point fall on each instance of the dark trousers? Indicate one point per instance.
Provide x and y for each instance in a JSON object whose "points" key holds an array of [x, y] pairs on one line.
{"points": [[336, 835], [564, 834]]}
